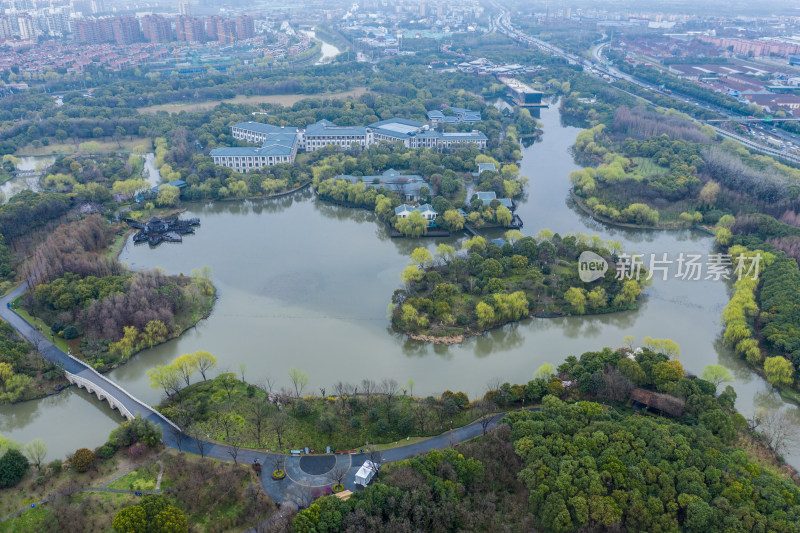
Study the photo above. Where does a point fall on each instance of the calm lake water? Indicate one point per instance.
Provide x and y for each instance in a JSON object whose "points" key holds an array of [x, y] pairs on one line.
{"points": [[302, 283], [21, 183]]}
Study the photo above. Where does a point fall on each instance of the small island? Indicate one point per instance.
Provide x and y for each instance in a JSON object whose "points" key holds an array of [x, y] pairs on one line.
{"points": [[450, 296]]}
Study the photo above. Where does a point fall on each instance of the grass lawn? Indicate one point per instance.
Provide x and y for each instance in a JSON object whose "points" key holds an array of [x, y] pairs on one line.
{"points": [[143, 479], [117, 245], [279, 99], [106, 144], [647, 167]]}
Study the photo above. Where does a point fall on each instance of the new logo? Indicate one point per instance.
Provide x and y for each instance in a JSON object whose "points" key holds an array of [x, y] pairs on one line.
{"points": [[591, 266]]}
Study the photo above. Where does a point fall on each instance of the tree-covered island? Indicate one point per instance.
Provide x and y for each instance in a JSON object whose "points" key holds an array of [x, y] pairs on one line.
{"points": [[452, 295]]}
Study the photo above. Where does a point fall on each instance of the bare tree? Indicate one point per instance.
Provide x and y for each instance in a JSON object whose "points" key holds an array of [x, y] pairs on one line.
{"points": [[484, 409], [618, 386], [268, 383], [342, 390], [421, 412], [300, 495], [780, 428], [389, 389], [178, 435], [258, 412], [277, 461], [279, 423], [234, 443], [322, 392], [37, 340], [368, 388], [197, 434], [299, 380], [375, 456], [337, 473]]}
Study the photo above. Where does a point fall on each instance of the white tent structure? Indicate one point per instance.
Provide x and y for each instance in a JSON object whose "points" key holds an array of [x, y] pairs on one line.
{"points": [[366, 473]]}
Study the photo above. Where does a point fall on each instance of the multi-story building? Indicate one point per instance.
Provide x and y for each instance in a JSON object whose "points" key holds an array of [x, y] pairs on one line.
{"points": [[157, 29], [190, 29], [126, 30], [6, 30], [415, 134], [278, 145], [59, 21], [326, 133], [211, 27], [245, 27], [27, 29], [226, 30]]}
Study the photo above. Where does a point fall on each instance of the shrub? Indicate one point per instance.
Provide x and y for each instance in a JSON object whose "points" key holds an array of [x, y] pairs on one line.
{"points": [[82, 459], [137, 450], [302, 409], [13, 466], [55, 466], [70, 332], [136, 430], [105, 451]]}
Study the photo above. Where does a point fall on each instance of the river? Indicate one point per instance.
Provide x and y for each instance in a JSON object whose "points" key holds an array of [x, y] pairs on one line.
{"points": [[328, 50], [306, 284]]}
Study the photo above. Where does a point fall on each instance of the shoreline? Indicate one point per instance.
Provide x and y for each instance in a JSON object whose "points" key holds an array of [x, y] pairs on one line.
{"points": [[458, 339], [628, 225]]}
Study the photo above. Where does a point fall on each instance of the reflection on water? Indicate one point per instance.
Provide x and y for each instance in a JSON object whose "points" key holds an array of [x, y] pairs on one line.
{"points": [[66, 421], [22, 183], [328, 50], [303, 283]]}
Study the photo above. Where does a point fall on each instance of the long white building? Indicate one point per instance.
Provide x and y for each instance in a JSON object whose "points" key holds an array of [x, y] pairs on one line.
{"points": [[280, 144]]}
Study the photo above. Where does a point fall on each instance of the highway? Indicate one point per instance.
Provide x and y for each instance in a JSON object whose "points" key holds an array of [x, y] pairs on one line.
{"points": [[600, 69]]}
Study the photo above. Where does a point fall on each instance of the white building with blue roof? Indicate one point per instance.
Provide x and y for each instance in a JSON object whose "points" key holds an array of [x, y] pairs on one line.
{"points": [[415, 134], [278, 145], [427, 211], [325, 133]]}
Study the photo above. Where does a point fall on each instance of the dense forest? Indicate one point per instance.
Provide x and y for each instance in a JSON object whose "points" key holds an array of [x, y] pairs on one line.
{"points": [[24, 373], [107, 312], [491, 284], [573, 466]]}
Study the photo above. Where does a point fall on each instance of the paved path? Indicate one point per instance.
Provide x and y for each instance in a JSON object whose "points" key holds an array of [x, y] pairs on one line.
{"points": [[54, 354], [296, 488]]}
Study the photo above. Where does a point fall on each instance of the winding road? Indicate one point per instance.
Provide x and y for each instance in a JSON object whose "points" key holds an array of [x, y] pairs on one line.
{"points": [[296, 489]]}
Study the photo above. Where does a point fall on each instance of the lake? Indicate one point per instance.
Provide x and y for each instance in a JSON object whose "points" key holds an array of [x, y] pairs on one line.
{"points": [[305, 284]]}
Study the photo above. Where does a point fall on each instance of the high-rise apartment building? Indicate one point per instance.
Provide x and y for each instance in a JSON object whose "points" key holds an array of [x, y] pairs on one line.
{"points": [[156, 29]]}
